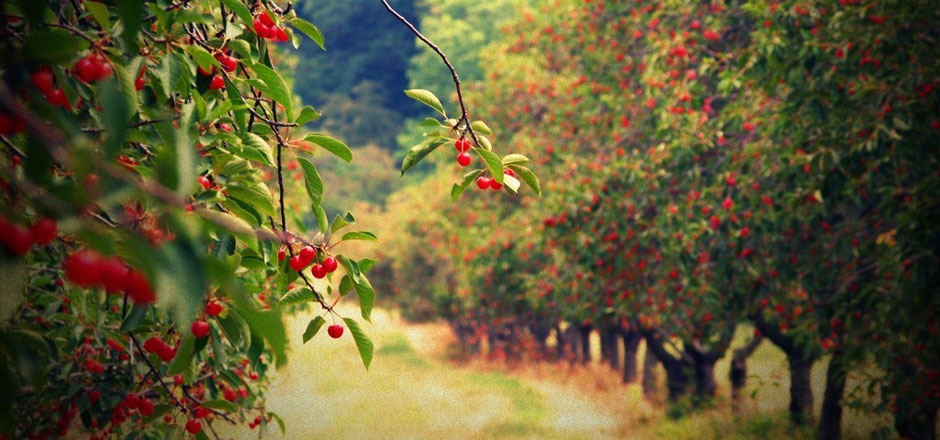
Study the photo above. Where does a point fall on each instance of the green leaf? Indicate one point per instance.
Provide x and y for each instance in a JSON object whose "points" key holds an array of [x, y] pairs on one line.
{"points": [[332, 145], [515, 159], [307, 114], [240, 10], [100, 12], [276, 88], [420, 151], [184, 354], [340, 222], [427, 98], [313, 327], [131, 13], [257, 196], [309, 30], [134, 318], [461, 186], [366, 294], [312, 181], [493, 163], [359, 235], [201, 56], [298, 295], [323, 224], [53, 46], [257, 149], [481, 128], [366, 263], [528, 177], [234, 328], [363, 343]]}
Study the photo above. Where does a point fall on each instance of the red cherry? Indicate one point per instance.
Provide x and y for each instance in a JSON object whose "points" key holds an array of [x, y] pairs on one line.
{"points": [[214, 309], [464, 159], [85, 70], [265, 19], [727, 203], [509, 172], [281, 253], [57, 98], [228, 63], [483, 182], [206, 72], [82, 268], [318, 271], [217, 83], [230, 395], [330, 264], [104, 70], [263, 30], [17, 239], [495, 185], [139, 83], [43, 79], [280, 35], [166, 353], [204, 182], [335, 331], [194, 426], [113, 274], [138, 288], [132, 401], [296, 263], [307, 254], [462, 145], [200, 329], [153, 344], [145, 408]]}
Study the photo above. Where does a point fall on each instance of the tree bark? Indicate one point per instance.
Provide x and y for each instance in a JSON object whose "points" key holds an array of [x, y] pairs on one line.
{"points": [[585, 333], [650, 376], [738, 372], [677, 367], [610, 346], [631, 342], [830, 421], [801, 360], [572, 340], [801, 391]]}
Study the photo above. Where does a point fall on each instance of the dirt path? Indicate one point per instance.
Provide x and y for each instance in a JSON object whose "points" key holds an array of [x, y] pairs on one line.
{"points": [[413, 391]]}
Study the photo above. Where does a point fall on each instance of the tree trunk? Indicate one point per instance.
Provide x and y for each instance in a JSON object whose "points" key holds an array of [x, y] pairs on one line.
{"points": [[631, 341], [572, 340], [677, 376], [738, 371], [830, 421], [560, 342], [585, 333], [801, 391], [705, 384], [650, 377], [610, 347]]}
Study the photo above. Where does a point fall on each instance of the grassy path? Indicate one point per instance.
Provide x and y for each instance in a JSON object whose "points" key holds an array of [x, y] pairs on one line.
{"points": [[413, 392]]}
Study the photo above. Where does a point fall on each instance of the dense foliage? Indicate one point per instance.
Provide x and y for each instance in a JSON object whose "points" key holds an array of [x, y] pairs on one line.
{"points": [[708, 164], [162, 212]]}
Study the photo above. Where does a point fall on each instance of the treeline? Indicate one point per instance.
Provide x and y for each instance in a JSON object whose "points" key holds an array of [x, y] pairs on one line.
{"points": [[707, 165]]}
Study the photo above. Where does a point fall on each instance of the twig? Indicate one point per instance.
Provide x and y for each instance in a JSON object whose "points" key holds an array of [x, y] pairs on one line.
{"points": [[453, 72]]}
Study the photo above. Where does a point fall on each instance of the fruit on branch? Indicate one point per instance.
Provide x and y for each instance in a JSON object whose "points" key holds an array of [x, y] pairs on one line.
{"points": [[464, 159], [217, 83], [330, 264], [194, 426], [200, 329], [335, 331], [214, 309]]}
